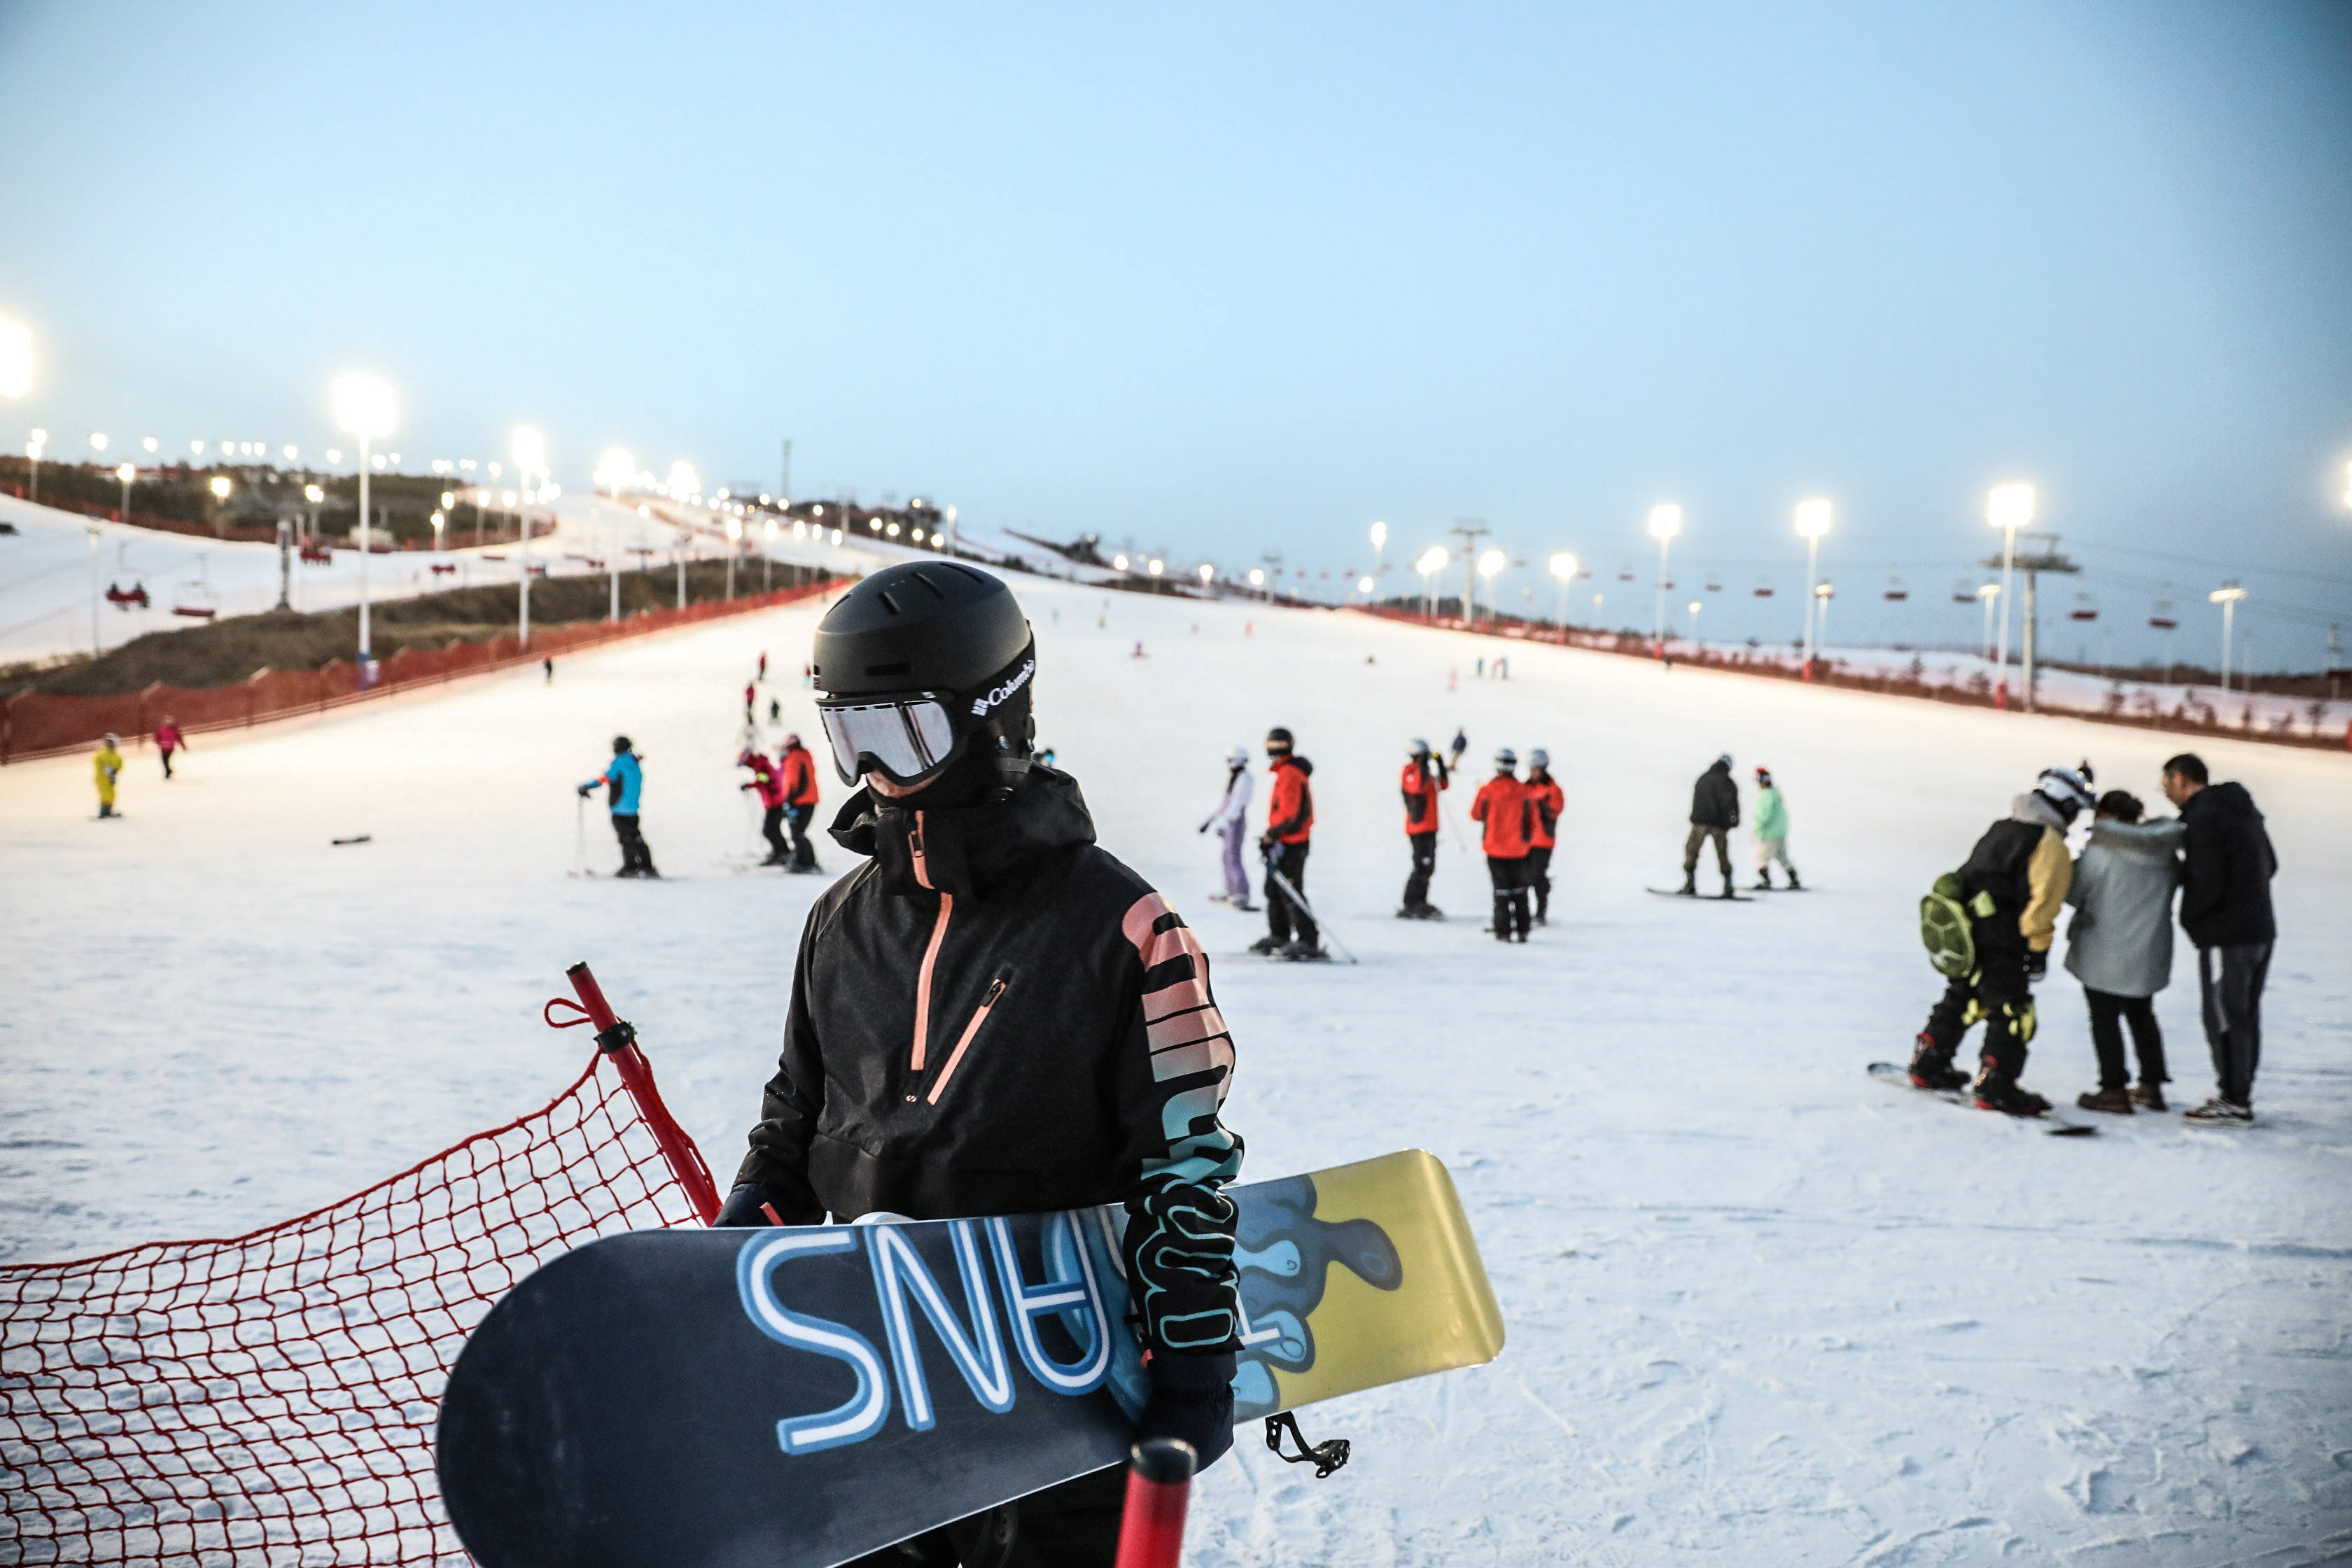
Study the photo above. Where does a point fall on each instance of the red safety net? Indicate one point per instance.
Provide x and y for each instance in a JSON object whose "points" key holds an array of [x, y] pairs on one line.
{"points": [[270, 1399]]}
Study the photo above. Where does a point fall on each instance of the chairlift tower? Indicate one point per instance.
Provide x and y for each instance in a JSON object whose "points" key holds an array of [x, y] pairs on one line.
{"points": [[1470, 530], [2036, 553]]}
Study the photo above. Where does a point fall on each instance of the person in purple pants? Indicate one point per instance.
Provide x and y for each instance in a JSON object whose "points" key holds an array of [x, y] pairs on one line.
{"points": [[1232, 819]]}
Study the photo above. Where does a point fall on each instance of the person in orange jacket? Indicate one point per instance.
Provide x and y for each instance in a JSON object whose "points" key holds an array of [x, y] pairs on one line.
{"points": [[1424, 778], [796, 771], [1544, 794], [1289, 827], [1504, 806]]}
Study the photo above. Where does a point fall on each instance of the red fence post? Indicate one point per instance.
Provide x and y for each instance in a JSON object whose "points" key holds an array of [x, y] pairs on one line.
{"points": [[619, 1040]]}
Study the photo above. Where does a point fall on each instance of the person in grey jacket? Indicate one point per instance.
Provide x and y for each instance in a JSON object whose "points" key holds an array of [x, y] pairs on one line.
{"points": [[2120, 945]]}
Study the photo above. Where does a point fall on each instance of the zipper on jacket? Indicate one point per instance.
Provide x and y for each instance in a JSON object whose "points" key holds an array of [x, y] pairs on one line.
{"points": [[963, 1042], [930, 954]]}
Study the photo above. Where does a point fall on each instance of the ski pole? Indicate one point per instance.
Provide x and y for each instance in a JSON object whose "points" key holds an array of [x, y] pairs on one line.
{"points": [[580, 837], [1300, 900], [1159, 1486]]}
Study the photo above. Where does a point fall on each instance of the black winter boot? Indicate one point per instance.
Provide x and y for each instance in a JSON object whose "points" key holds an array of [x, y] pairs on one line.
{"points": [[1931, 1065], [1763, 880], [1996, 1091], [1689, 889], [1794, 885]]}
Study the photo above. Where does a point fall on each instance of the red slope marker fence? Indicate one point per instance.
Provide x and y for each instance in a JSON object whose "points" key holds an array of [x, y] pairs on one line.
{"points": [[37, 725], [271, 1398]]}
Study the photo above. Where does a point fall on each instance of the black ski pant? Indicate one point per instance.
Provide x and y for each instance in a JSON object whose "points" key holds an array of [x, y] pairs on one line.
{"points": [[797, 819], [1699, 833], [2109, 1014], [1539, 878], [1424, 866], [1998, 994], [167, 762], [1510, 879], [634, 856], [1074, 1525], [2230, 980], [771, 828], [1282, 914]]}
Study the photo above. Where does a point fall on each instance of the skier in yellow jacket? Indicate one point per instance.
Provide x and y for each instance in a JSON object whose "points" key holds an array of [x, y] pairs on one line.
{"points": [[107, 766]]}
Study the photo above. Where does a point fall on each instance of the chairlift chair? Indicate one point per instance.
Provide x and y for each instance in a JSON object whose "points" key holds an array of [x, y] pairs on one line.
{"points": [[2161, 615], [1895, 592], [122, 599], [196, 599], [315, 553], [2086, 608], [1763, 587], [1964, 592]]}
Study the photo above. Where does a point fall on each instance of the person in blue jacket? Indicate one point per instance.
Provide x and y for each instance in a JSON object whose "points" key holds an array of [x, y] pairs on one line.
{"points": [[624, 783]]}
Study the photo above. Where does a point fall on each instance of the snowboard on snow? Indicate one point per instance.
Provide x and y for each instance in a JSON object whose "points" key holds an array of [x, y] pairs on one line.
{"points": [[1897, 1077], [1704, 897], [799, 1397]]}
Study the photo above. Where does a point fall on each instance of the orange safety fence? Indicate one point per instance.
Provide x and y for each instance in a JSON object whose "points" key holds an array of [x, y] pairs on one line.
{"points": [[271, 1398], [38, 724]]}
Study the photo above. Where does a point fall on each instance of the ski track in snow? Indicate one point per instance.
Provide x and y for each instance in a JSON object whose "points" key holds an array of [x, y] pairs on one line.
{"points": [[1760, 1308]]}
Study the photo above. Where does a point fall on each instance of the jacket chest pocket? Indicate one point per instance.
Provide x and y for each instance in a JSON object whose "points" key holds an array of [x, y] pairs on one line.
{"points": [[929, 1090]]}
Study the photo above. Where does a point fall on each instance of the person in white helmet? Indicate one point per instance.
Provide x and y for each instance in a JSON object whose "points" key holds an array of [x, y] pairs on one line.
{"points": [[1231, 819], [1424, 778]]}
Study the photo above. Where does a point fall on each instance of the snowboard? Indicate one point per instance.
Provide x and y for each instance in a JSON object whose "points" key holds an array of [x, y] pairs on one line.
{"points": [[1704, 897], [799, 1397], [1896, 1077]]}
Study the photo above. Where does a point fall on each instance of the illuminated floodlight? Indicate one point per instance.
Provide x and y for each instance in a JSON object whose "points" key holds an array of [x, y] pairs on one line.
{"points": [[16, 359], [151, 444], [1258, 578], [1208, 573], [1813, 519], [293, 454], [98, 440], [1491, 563], [2009, 506], [507, 499], [773, 530], [126, 473], [364, 405], [683, 479], [333, 456], [1363, 584], [448, 500], [1563, 566], [1380, 535], [1119, 563], [1432, 560], [735, 529], [313, 494], [195, 449], [220, 487], [529, 449], [1665, 521], [1158, 566]]}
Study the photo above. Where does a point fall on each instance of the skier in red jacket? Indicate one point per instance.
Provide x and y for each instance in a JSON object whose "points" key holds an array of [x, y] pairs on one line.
{"points": [[1424, 778], [1504, 806], [798, 783], [168, 739], [1544, 794], [1289, 827], [771, 790]]}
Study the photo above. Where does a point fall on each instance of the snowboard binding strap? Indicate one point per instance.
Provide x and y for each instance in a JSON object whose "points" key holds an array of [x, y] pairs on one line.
{"points": [[1325, 1457]]}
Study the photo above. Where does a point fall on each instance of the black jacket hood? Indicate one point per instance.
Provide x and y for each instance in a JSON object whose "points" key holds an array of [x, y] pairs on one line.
{"points": [[1295, 760], [2229, 799], [967, 849]]}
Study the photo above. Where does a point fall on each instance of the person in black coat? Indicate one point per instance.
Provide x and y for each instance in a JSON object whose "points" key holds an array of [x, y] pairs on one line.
{"points": [[1714, 812], [2225, 909]]}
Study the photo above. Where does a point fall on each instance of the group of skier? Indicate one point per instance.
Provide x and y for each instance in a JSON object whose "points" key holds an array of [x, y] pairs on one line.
{"points": [[106, 762]]}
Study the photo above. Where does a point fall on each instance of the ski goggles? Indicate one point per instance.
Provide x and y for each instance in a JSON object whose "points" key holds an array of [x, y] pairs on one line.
{"points": [[907, 738]]}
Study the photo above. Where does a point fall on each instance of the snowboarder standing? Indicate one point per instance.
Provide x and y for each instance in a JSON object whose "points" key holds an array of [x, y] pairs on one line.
{"points": [[1771, 833], [2225, 908], [798, 779], [1546, 800], [2013, 884], [1289, 828], [1424, 778], [2120, 945], [1504, 806], [769, 788], [994, 1016], [1231, 819], [625, 783], [106, 767], [1714, 812], [168, 739]]}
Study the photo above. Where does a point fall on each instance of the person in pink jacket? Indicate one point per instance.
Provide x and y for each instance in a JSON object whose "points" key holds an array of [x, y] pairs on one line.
{"points": [[168, 740], [770, 786]]}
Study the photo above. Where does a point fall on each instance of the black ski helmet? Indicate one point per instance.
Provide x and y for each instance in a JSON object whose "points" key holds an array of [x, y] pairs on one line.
{"points": [[1278, 740], [620, 745], [933, 636]]}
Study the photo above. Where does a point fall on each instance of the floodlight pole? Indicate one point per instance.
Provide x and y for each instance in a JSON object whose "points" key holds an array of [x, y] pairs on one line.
{"points": [[366, 654], [2008, 565]]}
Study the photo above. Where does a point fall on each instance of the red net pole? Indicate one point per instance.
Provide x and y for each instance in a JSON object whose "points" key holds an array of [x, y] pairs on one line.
{"points": [[619, 1039], [1159, 1488]]}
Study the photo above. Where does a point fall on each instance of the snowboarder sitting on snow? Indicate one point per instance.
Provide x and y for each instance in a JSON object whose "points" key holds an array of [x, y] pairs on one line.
{"points": [[1231, 819], [771, 790], [2013, 884], [1425, 777], [1545, 795], [1503, 805], [994, 1016], [1289, 827], [106, 767], [1714, 812], [798, 770], [624, 783], [1771, 833], [2120, 945]]}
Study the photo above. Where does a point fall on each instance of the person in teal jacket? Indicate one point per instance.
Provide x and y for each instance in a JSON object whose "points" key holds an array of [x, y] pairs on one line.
{"points": [[624, 783], [1771, 832]]}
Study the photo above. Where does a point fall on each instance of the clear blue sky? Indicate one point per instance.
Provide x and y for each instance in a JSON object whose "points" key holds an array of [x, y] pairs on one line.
{"points": [[1229, 279]]}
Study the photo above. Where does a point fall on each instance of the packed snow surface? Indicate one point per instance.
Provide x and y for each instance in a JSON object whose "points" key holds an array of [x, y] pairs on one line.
{"points": [[1761, 1310]]}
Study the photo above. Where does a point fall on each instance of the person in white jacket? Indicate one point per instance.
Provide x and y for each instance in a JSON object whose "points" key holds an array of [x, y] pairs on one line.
{"points": [[2120, 945], [1232, 819]]}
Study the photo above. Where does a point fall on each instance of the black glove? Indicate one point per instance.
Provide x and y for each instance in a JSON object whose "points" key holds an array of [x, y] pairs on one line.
{"points": [[2037, 964], [1192, 1398], [586, 790], [747, 1207]]}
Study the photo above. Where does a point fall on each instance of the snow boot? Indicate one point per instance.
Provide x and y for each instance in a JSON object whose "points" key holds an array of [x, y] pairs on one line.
{"points": [[1794, 885], [1689, 889], [1931, 1066], [2219, 1112], [1267, 946], [2147, 1096], [1763, 880], [1728, 891], [1996, 1091], [2114, 1102]]}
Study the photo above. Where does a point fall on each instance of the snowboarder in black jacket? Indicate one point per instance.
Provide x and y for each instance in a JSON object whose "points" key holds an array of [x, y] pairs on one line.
{"points": [[2225, 908], [994, 1016], [1714, 812]]}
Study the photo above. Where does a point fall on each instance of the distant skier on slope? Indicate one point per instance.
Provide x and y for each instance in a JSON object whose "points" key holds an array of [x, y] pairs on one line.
{"points": [[1545, 797], [1231, 819], [770, 787], [797, 769], [1289, 828], [625, 782], [1771, 833], [106, 766], [1425, 777], [2013, 884], [1714, 812], [1067, 1051], [168, 739], [1502, 805]]}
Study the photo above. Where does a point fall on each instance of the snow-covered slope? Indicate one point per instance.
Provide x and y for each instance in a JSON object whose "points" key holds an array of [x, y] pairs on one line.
{"points": [[1760, 1308]]}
